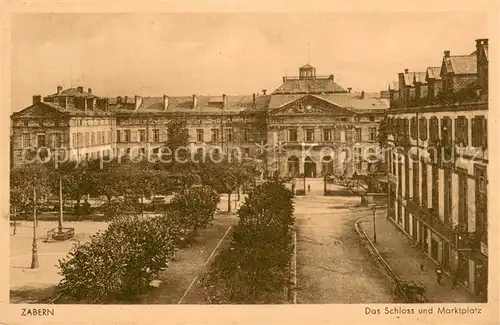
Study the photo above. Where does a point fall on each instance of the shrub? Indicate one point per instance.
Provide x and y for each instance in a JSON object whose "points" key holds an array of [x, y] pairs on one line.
{"points": [[119, 263], [255, 268], [195, 206]]}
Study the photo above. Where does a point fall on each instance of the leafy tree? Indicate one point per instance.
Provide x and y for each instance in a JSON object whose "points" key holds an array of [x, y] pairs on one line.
{"points": [[26, 182], [383, 132]]}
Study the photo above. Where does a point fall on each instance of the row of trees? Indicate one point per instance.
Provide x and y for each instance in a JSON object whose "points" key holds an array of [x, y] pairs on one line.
{"points": [[122, 177], [117, 265], [255, 268]]}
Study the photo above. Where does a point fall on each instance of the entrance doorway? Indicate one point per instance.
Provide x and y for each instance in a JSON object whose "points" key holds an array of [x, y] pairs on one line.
{"points": [[309, 167]]}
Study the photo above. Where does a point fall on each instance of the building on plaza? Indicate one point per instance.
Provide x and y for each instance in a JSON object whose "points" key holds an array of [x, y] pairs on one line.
{"points": [[437, 165], [304, 112], [317, 127]]}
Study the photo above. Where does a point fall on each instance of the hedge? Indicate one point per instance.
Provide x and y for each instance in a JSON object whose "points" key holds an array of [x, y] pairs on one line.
{"points": [[255, 267]]}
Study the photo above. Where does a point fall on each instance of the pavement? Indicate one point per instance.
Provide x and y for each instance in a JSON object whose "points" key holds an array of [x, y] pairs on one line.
{"points": [[333, 266], [28, 284], [395, 247]]}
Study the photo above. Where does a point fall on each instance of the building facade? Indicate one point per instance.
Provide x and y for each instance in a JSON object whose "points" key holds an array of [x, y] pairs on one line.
{"points": [[308, 126], [438, 175]]}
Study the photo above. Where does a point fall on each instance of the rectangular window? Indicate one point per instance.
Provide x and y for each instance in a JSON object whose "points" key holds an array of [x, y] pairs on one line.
{"points": [[142, 135], [481, 203], [413, 128], [56, 140], [103, 137], [407, 176], [86, 139], [74, 140], [372, 133], [292, 135], [229, 135], [215, 135], [424, 185], [342, 136], [309, 135], [463, 200], [400, 178], [433, 129], [446, 131], [479, 132], [435, 189], [118, 135], [357, 135], [422, 125], [199, 135], [416, 184], [156, 135], [126, 135], [327, 135], [40, 140], [26, 140], [448, 195], [245, 135], [461, 131]]}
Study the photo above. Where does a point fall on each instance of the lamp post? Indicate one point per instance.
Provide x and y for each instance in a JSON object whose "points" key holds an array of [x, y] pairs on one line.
{"points": [[34, 252], [374, 208], [60, 225]]}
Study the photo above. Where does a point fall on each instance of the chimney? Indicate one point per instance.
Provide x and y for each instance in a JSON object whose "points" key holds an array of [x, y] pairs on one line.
{"points": [[406, 70], [447, 54], [79, 89], [330, 77], [119, 99], [90, 91], [254, 98], [137, 102], [349, 89], [37, 99], [362, 96], [224, 100], [195, 101], [264, 91], [165, 102], [59, 90]]}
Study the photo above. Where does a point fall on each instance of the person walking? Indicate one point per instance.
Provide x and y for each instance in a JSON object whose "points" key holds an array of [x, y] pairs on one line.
{"points": [[309, 188], [439, 274]]}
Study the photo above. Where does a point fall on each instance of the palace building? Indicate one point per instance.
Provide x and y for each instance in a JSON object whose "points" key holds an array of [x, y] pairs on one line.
{"points": [[308, 126], [437, 165]]}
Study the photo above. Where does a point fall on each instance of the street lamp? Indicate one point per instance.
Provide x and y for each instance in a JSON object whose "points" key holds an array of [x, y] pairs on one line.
{"points": [[34, 252], [374, 208]]}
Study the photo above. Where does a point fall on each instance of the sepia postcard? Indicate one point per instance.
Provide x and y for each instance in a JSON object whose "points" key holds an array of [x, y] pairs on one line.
{"points": [[272, 163]]}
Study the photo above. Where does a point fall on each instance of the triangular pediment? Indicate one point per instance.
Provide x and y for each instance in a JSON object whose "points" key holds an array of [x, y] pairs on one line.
{"points": [[311, 104], [38, 110]]}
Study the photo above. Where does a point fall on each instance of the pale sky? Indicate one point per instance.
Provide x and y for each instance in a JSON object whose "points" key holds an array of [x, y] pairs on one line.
{"points": [[183, 54]]}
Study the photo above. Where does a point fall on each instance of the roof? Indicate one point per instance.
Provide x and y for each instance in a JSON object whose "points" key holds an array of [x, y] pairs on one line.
{"points": [[348, 100], [205, 104], [69, 110], [314, 85], [419, 77], [433, 73], [306, 66], [460, 64], [409, 77], [465, 82], [72, 92]]}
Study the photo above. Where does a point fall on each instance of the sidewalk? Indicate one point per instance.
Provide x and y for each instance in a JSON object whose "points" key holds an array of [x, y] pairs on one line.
{"points": [[395, 248]]}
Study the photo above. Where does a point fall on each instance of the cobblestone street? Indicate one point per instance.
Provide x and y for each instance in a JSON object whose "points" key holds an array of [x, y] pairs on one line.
{"points": [[333, 266]]}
